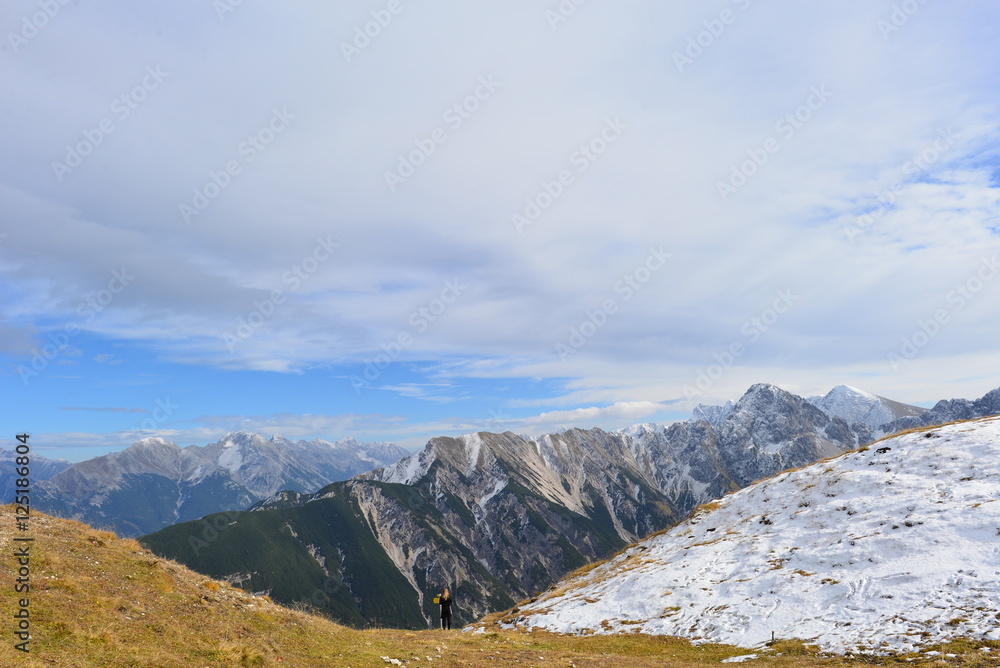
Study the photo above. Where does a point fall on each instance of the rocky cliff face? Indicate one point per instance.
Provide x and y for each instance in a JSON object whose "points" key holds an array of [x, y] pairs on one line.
{"points": [[524, 510], [766, 431], [155, 483]]}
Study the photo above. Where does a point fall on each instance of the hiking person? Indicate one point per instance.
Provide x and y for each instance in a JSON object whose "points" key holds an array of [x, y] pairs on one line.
{"points": [[444, 600]]}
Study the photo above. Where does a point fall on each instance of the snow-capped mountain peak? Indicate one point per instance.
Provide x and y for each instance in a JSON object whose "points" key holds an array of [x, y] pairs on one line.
{"points": [[856, 405], [152, 441], [851, 390], [409, 469]]}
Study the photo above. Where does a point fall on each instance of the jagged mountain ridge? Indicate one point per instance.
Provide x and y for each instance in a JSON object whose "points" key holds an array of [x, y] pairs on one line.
{"points": [[154, 483], [884, 549], [766, 431], [497, 516]]}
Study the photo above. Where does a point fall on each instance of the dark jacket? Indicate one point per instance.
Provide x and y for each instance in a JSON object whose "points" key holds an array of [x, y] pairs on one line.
{"points": [[445, 603]]}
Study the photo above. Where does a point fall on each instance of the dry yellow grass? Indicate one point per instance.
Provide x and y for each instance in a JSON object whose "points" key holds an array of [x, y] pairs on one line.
{"points": [[97, 600]]}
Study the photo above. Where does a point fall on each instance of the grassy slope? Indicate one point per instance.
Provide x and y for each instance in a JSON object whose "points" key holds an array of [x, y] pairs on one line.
{"points": [[97, 600]]}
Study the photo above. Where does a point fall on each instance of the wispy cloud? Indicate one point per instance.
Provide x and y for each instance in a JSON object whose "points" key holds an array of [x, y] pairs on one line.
{"points": [[107, 358], [441, 393]]}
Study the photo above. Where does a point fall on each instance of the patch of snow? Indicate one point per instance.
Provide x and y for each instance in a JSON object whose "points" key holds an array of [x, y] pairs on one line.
{"points": [[740, 659], [473, 445], [497, 488], [231, 458], [410, 469]]}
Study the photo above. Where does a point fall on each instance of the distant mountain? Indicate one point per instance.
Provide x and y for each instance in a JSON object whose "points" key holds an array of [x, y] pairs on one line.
{"points": [[155, 483], [856, 405], [948, 410], [41, 469], [496, 516], [886, 549]]}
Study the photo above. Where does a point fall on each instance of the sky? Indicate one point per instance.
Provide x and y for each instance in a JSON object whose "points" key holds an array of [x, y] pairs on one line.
{"points": [[394, 220]]}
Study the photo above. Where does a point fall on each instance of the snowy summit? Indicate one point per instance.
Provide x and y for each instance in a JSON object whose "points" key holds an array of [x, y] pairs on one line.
{"points": [[884, 549], [856, 405]]}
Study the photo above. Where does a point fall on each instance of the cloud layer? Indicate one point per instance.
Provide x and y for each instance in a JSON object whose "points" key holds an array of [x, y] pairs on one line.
{"points": [[629, 197]]}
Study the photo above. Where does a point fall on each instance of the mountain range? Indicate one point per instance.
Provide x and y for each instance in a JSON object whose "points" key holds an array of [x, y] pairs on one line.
{"points": [[499, 517], [948, 410], [883, 550], [155, 483]]}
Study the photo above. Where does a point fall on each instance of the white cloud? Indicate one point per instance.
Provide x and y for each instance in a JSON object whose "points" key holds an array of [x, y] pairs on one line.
{"points": [[618, 413]]}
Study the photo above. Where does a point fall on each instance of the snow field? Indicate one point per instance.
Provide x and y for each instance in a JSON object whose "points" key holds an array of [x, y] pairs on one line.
{"points": [[880, 550]]}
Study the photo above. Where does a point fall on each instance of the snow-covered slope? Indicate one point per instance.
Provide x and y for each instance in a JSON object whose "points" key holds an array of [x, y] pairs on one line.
{"points": [[856, 405], [883, 549]]}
